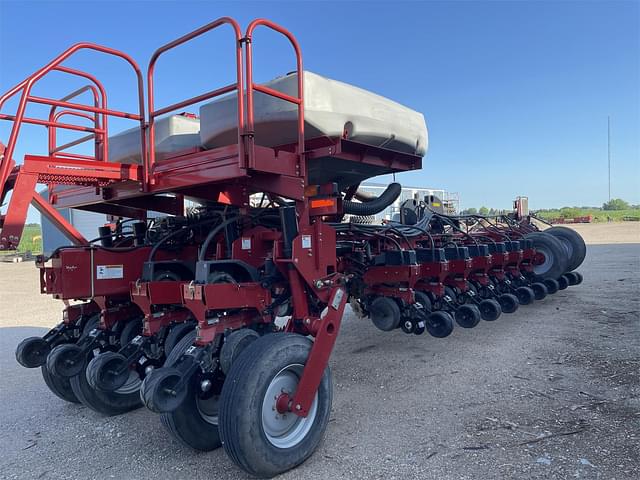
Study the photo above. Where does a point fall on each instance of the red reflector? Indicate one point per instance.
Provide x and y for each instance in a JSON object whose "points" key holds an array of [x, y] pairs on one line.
{"points": [[323, 202]]}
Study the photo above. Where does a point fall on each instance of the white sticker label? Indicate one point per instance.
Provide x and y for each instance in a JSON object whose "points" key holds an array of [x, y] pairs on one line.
{"points": [[337, 299], [109, 272], [306, 241], [246, 243]]}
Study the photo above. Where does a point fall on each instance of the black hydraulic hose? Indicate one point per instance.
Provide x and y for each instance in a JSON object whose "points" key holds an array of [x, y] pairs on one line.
{"points": [[175, 234], [212, 234], [371, 207], [364, 196], [449, 220], [419, 229]]}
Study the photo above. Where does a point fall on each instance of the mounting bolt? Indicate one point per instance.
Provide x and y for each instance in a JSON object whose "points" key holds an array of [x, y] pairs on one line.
{"points": [[298, 407]]}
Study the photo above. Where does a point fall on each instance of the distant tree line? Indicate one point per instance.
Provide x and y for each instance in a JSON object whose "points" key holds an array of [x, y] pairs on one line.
{"points": [[482, 211], [615, 204]]}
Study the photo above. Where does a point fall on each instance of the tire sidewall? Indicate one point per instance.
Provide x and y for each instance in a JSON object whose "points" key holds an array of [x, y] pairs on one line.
{"points": [[548, 242], [242, 398]]}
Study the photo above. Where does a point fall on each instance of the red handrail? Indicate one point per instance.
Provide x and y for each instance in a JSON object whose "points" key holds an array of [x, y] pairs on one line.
{"points": [[53, 149], [100, 94], [238, 86], [299, 100], [26, 97], [54, 116], [99, 98]]}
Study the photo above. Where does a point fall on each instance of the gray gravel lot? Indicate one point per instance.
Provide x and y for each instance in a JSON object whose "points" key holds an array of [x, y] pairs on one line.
{"points": [[550, 392]]}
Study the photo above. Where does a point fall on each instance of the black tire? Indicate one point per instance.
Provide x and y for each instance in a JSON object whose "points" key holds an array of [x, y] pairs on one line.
{"points": [[555, 255], [177, 333], [573, 244], [234, 344], [101, 371], [66, 360], [131, 329], [525, 295], [571, 277], [490, 309], [539, 290], [468, 316], [186, 423], [579, 277], [508, 303], [452, 294], [56, 364], [552, 285], [563, 282], [248, 435], [60, 386], [439, 324], [159, 392], [423, 299], [32, 352], [121, 401], [385, 313]]}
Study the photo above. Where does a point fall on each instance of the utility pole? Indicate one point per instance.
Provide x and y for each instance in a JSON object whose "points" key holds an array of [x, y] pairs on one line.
{"points": [[609, 151]]}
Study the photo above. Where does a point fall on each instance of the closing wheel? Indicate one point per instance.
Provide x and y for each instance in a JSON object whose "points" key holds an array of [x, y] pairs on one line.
{"points": [[439, 324], [579, 277], [508, 302], [525, 295], [563, 282], [468, 316], [66, 360], [490, 309], [571, 277], [194, 422], [573, 244], [159, 392], [552, 285], [407, 325], [125, 398], [32, 352], [539, 290], [255, 434], [61, 386], [385, 313], [108, 371]]}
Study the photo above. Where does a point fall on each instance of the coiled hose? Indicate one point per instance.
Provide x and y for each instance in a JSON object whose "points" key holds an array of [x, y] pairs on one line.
{"points": [[373, 205]]}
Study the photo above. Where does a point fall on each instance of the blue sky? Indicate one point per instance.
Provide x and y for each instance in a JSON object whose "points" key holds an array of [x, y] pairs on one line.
{"points": [[516, 94]]}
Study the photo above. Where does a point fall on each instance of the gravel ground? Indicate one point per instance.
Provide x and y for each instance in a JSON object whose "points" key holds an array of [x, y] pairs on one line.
{"points": [[549, 392]]}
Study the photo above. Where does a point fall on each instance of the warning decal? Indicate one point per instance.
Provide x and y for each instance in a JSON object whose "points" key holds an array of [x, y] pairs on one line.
{"points": [[109, 272]]}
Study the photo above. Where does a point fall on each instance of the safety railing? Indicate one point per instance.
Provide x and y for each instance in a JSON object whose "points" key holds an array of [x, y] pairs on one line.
{"points": [[237, 86], [98, 113], [99, 121], [98, 131], [251, 86]]}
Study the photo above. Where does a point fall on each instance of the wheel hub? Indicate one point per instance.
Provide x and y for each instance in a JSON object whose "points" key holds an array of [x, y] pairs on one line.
{"points": [[283, 428]]}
